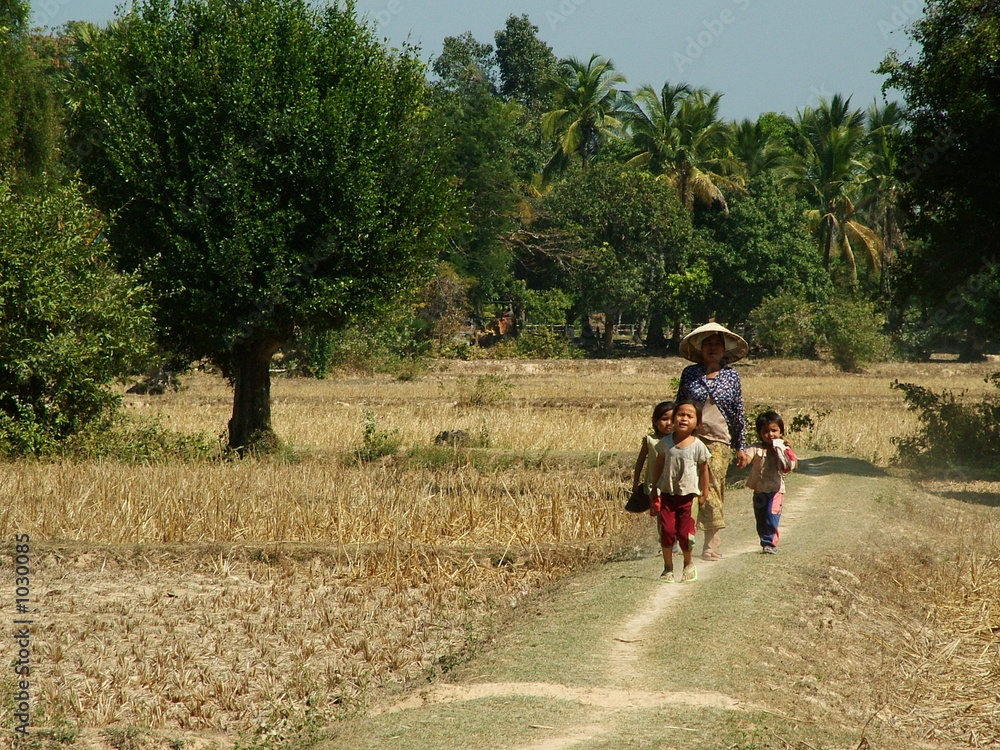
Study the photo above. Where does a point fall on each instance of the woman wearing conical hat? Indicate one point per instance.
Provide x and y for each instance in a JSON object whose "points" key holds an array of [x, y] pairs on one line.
{"points": [[711, 382]]}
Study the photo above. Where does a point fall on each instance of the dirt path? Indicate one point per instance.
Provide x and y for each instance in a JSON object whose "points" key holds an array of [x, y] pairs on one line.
{"points": [[618, 659]]}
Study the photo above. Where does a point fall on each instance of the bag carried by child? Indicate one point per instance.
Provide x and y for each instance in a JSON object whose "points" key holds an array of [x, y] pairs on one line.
{"points": [[638, 501]]}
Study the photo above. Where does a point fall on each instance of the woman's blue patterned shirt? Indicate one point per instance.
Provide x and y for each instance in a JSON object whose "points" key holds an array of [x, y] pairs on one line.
{"points": [[727, 392]]}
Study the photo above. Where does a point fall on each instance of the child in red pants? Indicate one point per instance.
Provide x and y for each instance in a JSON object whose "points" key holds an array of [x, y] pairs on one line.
{"points": [[680, 475]]}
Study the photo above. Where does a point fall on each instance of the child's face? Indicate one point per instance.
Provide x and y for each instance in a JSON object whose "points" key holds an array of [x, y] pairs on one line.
{"points": [[664, 425], [769, 433], [685, 419]]}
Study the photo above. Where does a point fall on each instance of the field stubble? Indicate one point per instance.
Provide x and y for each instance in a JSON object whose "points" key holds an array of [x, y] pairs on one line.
{"points": [[250, 597]]}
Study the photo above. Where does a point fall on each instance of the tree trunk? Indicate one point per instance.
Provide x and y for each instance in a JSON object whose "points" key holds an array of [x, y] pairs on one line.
{"points": [[250, 426], [655, 338], [675, 338], [610, 324], [828, 246], [973, 347], [888, 242]]}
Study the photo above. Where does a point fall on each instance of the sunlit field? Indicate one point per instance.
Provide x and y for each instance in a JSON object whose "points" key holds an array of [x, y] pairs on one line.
{"points": [[259, 597]]}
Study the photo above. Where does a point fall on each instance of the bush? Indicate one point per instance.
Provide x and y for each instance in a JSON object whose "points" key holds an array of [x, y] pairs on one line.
{"points": [[124, 438], [546, 307], [952, 429], [388, 344], [541, 343], [487, 390], [785, 325], [69, 325], [376, 443], [853, 330], [309, 355]]}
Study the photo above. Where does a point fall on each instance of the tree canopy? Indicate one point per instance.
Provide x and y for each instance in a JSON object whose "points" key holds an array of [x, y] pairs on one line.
{"points": [[30, 130], [267, 173], [950, 159]]}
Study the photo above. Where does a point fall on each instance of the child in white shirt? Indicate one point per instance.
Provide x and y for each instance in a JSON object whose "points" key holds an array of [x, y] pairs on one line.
{"points": [[680, 475]]}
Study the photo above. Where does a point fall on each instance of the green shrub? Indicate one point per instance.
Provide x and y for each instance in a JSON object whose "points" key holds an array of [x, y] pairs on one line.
{"points": [[130, 440], [541, 343], [547, 306], [853, 330], [69, 325], [953, 430], [376, 443], [487, 390], [785, 325], [309, 356], [390, 344]]}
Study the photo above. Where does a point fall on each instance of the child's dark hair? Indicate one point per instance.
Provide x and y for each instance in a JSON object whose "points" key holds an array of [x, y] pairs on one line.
{"points": [[767, 418], [695, 404], [662, 408]]}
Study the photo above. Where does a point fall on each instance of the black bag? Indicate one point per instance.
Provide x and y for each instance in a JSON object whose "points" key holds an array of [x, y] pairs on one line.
{"points": [[638, 501]]}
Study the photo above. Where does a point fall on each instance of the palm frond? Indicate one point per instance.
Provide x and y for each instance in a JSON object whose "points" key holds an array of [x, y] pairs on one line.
{"points": [[868, 239]]}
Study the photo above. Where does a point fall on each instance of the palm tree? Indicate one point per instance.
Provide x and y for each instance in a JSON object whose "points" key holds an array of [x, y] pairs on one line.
{"points": [[883, 186], [758, 151], [829, 171], [585, 102], [678, 134]]}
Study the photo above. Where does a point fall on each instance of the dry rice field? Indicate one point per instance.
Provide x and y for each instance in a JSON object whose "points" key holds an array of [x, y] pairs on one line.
{"points": [[222, 603]]}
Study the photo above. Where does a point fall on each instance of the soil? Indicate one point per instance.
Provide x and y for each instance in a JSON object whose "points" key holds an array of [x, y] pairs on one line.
{"points": [[762, 651]]}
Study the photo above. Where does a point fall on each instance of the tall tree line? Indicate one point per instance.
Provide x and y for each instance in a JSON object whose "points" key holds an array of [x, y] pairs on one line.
{"points": [[272, 202]]}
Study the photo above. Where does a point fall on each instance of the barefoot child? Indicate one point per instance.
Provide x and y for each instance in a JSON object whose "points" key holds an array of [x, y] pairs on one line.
{"points": [[770, 460], [662, 426], [680, 475]]}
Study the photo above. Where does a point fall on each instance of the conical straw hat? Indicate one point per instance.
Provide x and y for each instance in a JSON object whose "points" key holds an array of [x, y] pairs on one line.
{"points": [[736, 346]]}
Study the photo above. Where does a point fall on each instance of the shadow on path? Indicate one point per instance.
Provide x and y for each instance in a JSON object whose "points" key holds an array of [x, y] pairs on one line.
{"points": [[826, 465], [989, 499]]}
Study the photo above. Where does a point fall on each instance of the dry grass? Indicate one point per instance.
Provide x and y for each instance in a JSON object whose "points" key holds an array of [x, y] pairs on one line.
{"points": [[197, 598], [916, 632]]}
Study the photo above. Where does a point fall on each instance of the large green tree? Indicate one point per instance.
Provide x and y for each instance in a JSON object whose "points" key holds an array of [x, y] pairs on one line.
{"points": [[762, 250], [621, 241], [950, 160], [265, 168], [525, 63], [30, 129], [526, 69], [477, 130]]}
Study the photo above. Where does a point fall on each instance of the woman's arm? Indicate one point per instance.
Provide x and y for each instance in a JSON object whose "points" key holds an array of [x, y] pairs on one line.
{"points": [[684, 387], [640, 462], [703, 481], [740, 436]]}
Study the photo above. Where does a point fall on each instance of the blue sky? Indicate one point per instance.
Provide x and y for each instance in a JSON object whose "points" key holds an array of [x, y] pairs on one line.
{"points": [[763, 55]]}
